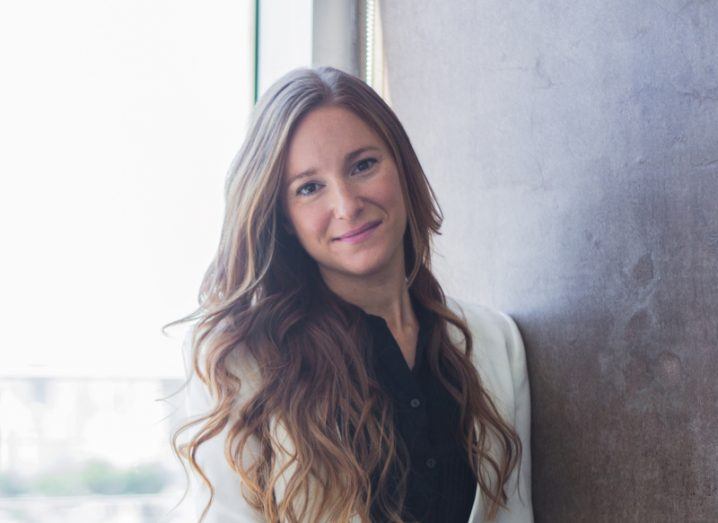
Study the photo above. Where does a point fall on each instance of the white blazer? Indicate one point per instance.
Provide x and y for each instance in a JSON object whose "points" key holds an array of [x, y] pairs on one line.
{"points": [[501, 362]]}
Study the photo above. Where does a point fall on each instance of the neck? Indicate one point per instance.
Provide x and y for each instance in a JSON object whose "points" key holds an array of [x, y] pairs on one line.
{"points": [[384, 294]]}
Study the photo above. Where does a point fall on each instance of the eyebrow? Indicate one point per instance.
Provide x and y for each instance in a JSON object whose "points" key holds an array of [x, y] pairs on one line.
{"points": [[348, 158]]}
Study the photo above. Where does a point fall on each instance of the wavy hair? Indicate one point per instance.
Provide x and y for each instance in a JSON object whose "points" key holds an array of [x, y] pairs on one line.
{"points": [[263, 300]]}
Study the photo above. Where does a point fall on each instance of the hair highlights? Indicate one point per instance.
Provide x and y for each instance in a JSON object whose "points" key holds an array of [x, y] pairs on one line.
{"points": [[264, 306]]}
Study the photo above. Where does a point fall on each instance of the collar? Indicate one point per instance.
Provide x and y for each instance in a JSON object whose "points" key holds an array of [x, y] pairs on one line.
{"points": [[384, 340]]}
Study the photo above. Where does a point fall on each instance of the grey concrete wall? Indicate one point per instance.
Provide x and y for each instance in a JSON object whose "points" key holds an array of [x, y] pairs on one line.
{"points": [[574, 149]]}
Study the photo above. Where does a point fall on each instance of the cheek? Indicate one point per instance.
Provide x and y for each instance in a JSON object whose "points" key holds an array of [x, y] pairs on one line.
{"points": [[308, 221], [389, 193]]}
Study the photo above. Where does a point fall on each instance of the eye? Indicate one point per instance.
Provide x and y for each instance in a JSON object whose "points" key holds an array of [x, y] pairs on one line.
{"points": [[361, 166], [368, 162], [301, 191]]}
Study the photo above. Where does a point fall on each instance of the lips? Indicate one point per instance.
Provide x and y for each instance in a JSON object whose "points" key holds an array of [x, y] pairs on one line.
{"points": [[359, 230]]}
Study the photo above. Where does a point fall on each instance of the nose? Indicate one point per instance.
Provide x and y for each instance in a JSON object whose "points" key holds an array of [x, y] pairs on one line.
{"points": [[346, 201]]}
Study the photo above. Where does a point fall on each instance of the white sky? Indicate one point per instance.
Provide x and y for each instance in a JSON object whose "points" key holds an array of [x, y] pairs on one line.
{"points": [[118, 120]]}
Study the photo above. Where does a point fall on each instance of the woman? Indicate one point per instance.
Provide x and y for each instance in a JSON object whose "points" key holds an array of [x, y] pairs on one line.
{"points": [[331, 379]]}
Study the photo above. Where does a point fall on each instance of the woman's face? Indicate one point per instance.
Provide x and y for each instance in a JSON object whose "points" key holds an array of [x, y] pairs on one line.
{"points": [[340, 178]]}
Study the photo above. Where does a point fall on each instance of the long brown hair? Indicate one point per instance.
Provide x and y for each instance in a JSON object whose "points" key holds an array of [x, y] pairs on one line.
{"points": [[262, 300]]}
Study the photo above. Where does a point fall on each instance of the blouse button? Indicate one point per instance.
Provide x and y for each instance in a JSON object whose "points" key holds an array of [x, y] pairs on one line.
{"points": [[431, 463], [415, 402]]}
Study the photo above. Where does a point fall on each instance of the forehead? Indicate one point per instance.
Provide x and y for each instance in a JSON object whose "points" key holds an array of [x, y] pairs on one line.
{"points": [[324, 136]]}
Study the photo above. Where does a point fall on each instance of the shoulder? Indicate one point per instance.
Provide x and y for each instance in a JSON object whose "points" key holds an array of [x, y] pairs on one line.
{"points": [[485, 322], [498, 349], [238, 363]]}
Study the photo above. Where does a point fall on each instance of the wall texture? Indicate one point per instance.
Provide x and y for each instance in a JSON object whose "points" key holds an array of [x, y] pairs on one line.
{"points": [[574, 149]]}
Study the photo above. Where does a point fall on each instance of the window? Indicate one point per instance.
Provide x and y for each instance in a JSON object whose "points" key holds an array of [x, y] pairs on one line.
{"points": [[119, 122]]}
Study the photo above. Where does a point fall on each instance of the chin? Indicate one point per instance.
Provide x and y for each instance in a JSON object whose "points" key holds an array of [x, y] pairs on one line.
{"points": [[359, 268], [353, 269]]}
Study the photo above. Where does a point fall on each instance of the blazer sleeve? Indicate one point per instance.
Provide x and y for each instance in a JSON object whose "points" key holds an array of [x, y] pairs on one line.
{"points": [[520, 508], [228, 504]]}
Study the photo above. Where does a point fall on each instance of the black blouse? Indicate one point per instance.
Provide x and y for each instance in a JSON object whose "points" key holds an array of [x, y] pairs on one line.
{"points": [[441, 485]]}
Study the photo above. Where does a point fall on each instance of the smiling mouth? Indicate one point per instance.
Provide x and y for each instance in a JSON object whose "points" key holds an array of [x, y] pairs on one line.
{"points": [[364, 229]]}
